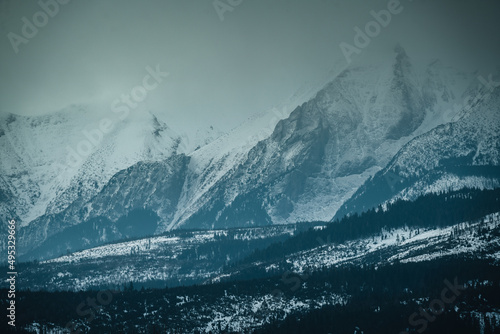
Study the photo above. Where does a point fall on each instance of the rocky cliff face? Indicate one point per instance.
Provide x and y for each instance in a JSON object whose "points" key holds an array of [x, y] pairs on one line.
{"points": [[317, 157]]}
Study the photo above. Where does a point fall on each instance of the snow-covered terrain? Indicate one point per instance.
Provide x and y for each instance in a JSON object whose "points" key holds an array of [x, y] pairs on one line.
{"points": [[231, 306], [197, 256], [295, 163], [50, 161], [477, 240], [317, 157], [463, 153], [254, 312], [174, 259]]}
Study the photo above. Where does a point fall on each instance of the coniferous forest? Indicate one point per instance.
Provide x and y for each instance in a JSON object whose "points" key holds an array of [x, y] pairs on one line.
{"points": [[372, 296]]}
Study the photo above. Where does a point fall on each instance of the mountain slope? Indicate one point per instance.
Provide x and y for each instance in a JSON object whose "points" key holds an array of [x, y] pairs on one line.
{"points": [[316, 158], [465, 153], [372, 274], [50, 161], [298, 167], [173, 259], [144, 188], [163, 188]]}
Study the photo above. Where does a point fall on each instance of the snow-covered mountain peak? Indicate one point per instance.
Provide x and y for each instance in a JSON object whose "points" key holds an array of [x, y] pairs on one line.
{"points": [[50, 160], [296, 163]]}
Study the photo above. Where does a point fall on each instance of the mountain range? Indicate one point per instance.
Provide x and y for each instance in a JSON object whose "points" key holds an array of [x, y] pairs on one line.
{"points": [[371, 135]]}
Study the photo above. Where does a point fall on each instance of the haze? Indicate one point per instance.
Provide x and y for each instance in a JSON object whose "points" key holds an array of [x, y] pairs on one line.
{"points": [[221, 71]]}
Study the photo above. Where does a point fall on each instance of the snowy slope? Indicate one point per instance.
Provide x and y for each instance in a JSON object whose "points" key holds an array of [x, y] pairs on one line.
{"points": [[462, 153], [177, 258], [166, 187], [45, 163], [476, 240], [287, 165], [316, 158]]}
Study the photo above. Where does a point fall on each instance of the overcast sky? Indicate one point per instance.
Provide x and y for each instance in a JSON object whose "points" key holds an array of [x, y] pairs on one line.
{"points": [[221, 71]]}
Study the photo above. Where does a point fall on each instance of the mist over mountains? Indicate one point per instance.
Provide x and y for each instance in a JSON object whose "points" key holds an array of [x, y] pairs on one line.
{"points": [[233, 166], [376, 132]]}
